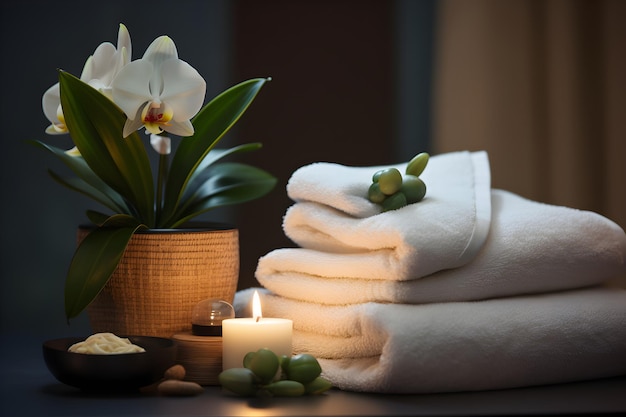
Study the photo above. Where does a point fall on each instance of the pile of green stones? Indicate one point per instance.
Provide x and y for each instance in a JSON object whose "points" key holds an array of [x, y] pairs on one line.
{"points": [[260, 376], [392, 191]]}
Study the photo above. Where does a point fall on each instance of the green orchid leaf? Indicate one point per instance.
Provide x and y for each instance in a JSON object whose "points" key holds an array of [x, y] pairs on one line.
{"points": [[100, 190], [234, 194], [229, 183], [217, 154], [80, 186], [94, 261], [96, 126], [203, 173], [96, 217], [210, 124]]}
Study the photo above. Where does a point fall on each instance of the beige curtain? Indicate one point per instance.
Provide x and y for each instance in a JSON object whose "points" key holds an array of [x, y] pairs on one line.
{"points": [[540, 85]]}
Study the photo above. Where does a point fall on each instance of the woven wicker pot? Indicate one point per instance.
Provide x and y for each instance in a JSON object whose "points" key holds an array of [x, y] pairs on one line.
{"points": [[163, 274]]}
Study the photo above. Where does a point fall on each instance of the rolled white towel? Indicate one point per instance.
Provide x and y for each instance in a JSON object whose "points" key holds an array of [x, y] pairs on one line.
{"points": [[445, 230], [531, 247], [462, 346]]}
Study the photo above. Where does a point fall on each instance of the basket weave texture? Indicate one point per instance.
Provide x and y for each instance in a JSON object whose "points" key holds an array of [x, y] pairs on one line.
{"points": [[160, 279]]}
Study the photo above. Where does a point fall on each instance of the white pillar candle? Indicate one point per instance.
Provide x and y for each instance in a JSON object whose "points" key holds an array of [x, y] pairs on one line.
{"points": [[243, 335]]}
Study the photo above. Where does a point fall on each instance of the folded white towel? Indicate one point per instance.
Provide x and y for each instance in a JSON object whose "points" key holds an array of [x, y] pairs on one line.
{"points": [[531, 247], [462, 346], [445, 230]]}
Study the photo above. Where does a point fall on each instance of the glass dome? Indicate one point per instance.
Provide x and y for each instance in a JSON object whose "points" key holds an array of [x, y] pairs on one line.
{"points": [[207, 316]]}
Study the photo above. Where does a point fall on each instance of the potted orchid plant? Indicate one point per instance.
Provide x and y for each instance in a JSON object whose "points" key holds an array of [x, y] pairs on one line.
{"points": [[105, 112]]}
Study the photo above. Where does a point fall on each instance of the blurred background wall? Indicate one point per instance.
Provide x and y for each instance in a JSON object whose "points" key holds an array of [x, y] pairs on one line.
{"points": [[538, 84], [541, 86]]}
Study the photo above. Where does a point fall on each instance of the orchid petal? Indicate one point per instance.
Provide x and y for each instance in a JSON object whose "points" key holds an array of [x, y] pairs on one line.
{"points": [[101, 65], [103, 60], [180, 128], [106, 91], [130, 88], [103, 53], [122, 59], [184, 89], [73, 152], [89, 70], [96, 83], [124, 45], [50, 102], [132, 125], [153, 128], [161, 50], [55, 130]]}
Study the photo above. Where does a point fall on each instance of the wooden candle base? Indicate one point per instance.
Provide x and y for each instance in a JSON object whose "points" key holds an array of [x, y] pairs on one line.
{"points": [[201, 356]]}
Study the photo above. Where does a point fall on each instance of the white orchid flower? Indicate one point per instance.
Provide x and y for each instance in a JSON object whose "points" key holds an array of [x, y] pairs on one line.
{"points": [[99, 71], [106, 62], [159, 91]]}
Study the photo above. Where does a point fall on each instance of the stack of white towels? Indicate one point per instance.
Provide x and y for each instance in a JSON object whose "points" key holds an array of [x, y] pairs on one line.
{"points": [[470, 289]]}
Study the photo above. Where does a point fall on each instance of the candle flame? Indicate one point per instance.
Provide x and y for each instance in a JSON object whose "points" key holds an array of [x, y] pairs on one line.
{"points": [[256, 306]]}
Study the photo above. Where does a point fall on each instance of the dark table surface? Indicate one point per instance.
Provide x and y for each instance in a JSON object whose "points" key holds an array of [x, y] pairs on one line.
{"points": [[28, 389]]}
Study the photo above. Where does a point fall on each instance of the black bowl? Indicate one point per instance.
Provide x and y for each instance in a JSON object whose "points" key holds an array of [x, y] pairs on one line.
{"points": [[121, 372]]}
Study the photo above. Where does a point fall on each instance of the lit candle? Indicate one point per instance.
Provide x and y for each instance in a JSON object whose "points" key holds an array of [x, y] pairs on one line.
{"points": [[243, 335]]}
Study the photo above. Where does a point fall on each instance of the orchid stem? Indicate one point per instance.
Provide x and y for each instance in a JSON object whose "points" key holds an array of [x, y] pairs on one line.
{"points": [[161, 175]]}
